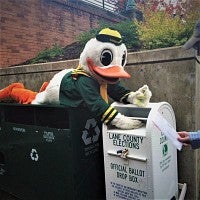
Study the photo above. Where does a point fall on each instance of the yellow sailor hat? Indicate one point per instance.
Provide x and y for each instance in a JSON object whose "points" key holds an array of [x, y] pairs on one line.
{"points": [[109, 35]]}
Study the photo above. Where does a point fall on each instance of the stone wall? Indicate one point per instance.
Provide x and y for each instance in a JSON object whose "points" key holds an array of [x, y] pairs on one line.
{"points": [[172, 74], [28, 27]]}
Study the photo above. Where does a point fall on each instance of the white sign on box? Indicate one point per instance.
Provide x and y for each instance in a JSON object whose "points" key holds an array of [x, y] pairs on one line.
{"points": [[166, 128]]}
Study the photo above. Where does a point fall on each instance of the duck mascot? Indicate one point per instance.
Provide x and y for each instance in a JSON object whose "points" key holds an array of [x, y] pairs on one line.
{"points": [[101, 66]]}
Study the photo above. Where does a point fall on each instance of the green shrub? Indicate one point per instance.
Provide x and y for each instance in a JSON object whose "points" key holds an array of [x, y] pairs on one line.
{"points": [[160, 30], [48, 54], [127, 29]]}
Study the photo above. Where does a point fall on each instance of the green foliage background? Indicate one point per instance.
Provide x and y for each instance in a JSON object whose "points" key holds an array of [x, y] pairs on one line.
{"points": [[47, 54], [161, 30], [158, 30], [127, 29]]}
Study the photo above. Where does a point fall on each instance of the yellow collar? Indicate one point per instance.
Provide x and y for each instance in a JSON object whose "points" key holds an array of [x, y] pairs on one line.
{"points": [[103, 87]]}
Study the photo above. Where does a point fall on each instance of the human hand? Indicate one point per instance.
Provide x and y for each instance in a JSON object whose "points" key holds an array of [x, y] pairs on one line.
{"points": [[184, 138]]}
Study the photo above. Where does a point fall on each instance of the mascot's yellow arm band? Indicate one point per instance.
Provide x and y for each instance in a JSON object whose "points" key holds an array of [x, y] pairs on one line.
{"points": [[109, 115]]}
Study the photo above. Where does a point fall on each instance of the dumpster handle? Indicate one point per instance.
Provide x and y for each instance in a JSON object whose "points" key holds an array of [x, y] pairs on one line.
{"points": [[113, 153]]}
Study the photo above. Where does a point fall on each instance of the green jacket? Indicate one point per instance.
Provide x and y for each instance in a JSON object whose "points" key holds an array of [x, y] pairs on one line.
{"points": [[85, 90]]}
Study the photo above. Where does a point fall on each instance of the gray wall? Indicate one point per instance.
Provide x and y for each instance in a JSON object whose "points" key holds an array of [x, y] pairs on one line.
{"points": [[172, 74]]}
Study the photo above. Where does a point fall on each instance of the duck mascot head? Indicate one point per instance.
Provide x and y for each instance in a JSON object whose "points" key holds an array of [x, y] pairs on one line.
{"points": [[101, 66], [104, 57]]}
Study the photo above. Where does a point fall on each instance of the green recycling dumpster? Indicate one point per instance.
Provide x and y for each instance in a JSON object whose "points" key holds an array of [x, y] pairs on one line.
{"points": [[50, 153]]}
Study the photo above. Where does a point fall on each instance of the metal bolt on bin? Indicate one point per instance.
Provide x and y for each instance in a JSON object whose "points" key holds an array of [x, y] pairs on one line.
{"points": [[141, 163]]}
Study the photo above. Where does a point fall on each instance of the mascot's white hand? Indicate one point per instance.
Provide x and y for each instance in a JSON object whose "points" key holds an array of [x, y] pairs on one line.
{"points": [[123, 122], [141, 97]]}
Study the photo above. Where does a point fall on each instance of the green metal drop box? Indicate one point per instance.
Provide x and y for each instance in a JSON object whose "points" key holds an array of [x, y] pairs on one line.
{"points": [[50, 153]]}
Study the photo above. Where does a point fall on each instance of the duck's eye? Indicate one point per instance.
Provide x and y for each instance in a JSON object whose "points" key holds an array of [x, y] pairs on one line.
{"points": [[124, 59], [106, 57]]}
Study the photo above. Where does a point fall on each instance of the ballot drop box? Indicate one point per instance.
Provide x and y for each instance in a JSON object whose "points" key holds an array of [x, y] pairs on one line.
{"points": [[140, 163]]}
